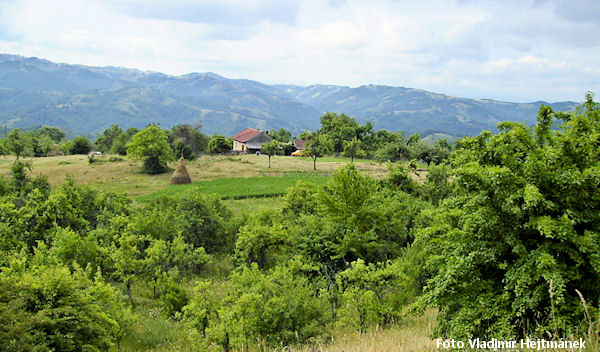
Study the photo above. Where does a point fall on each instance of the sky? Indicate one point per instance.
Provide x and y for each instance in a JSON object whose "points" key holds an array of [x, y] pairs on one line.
{"points": [[505, 50]]}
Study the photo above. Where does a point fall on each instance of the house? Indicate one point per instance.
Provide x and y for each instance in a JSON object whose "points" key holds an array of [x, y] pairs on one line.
{"points": [[298, 144], [250, 140]]}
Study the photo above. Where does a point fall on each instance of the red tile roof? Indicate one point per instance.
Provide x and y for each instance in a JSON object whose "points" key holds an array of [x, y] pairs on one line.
{"points": [[245, 135]]}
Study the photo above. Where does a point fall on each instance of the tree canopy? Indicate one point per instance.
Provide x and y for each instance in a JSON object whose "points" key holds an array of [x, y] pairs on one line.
{"points": [[513, 250], [317, 146], [151, 145]]}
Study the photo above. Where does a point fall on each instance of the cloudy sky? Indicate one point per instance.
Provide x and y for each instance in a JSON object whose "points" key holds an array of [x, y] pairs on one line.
{"points": [[505, 50]]}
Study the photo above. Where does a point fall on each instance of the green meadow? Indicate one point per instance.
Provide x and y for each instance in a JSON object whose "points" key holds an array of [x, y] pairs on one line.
{"points": [[241, 187]]}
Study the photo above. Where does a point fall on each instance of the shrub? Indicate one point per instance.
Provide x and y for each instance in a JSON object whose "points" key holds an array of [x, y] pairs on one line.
{"points": [[277, 308], [54, 309], [525, 221], [219, 145], [80, 145]]}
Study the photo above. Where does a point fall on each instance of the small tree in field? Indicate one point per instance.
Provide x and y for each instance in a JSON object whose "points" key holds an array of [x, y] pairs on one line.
{"points": [[151, 145], [317, 146], [17, 143], [271, 148], [352, 149], [81, 145]]}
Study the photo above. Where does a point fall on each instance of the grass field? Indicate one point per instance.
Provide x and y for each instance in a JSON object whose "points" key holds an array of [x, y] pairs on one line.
{"points": [[124, 176], [241, 187]]}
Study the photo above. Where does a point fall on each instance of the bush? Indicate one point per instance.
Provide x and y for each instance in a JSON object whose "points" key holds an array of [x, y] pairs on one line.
{"points": [[219, 145], [510, 250], [53, 309], [173, 297], [277, 308], [182, 150], [80, 145]]}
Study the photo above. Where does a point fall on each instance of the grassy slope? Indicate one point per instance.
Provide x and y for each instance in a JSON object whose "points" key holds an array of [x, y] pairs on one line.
{"points": [[124, 176]]}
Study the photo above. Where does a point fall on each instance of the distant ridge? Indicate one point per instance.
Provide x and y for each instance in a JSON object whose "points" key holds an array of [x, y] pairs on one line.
{"points": [[87, 100]]}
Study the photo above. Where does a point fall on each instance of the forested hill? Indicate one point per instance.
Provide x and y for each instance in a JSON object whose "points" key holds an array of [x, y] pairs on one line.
{"points": [[89, 99], [415, 110]]}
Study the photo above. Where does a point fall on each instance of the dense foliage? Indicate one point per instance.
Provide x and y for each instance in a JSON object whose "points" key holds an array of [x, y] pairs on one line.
{"points": [[512, 251], [503, 240], [151, 145]]}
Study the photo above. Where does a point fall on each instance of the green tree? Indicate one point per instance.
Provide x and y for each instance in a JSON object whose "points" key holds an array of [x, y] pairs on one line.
{"points": [[182, 150], [190, 136], [81, 145], [18, 143], [272, 148], [393, 151], [127, 260], [339, 128], [317, 146], [352, 149], [151, 146], [283, 135], [106, 140], [510, 250], [48, 308], [373, 294], [219, 145], [175, 258], [119, 145], [437, 186], [42, 144], [275, 308], [55, 134]]}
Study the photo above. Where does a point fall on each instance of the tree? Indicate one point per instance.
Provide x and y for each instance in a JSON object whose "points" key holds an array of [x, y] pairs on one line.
{"points": [[182, 150], [317, 146], [339, 128], [151, 145], [17, 143], [393, 151], [353, 149], [513, 249], [190, 136], [304, 135], [219, 145], [271, 148], [108, 137], [119, 145], [49, 308], [276, 308], [42, 144], [283, 135], [174, 258], [54, 133], [126, 260], [81, 145], [132, 131]]}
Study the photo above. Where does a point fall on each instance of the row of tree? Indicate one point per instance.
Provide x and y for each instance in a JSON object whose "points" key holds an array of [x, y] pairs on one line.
{"points": [[338, 135]]}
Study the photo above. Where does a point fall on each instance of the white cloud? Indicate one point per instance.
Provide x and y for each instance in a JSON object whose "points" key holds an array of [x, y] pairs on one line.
{"points": [[513, 50]]}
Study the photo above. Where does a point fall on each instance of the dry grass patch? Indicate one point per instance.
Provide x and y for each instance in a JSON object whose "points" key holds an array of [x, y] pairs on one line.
{"points": [[411, 336]]}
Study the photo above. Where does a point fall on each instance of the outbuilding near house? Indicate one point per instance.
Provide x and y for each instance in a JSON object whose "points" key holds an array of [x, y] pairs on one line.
{"points": [[250, 140]]}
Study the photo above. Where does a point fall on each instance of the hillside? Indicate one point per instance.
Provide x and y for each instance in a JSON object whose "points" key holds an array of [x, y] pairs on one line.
{"points": [[415, 110], [89, 99]]}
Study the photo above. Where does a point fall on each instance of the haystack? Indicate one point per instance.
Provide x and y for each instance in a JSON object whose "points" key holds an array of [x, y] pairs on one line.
{"points": [[181, 176]]}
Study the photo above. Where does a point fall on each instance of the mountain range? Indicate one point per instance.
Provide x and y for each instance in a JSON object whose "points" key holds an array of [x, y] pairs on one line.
{"points": [[86, 100]]}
